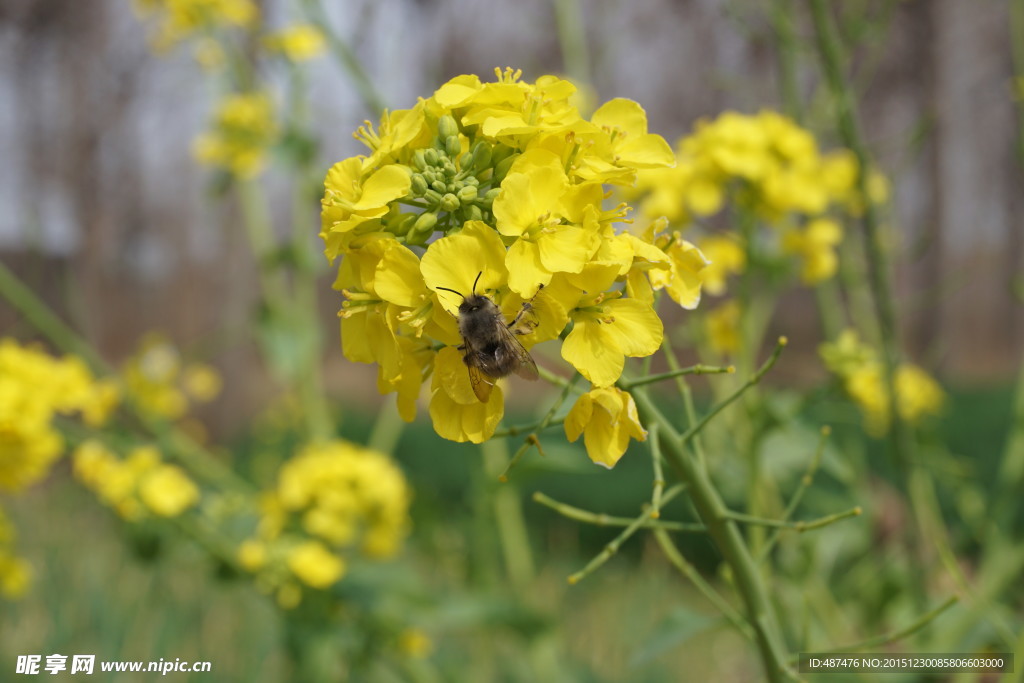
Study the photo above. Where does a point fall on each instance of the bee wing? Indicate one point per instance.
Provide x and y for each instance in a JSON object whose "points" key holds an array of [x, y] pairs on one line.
{"points": [[481, 382], [525, 367]]}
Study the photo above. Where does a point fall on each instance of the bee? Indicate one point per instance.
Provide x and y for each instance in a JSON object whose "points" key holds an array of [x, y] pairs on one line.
{"points": [[489, 345]]}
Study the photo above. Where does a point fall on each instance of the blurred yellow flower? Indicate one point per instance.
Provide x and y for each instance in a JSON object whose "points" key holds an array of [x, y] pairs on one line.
{"points": [[725, 256], [722, 326], [815, 245], [202, 382], [15, 572], [167, 491], [178, 20], [35, 388], [315, 565], [297, 43], [244, 128], [413, 642]]}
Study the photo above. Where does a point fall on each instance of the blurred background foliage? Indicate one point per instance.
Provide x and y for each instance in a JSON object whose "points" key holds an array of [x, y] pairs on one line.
{"points": [[108, 218]]}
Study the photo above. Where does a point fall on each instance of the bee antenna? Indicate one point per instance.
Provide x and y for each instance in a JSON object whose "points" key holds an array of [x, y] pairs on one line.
{"points": [[453, 292], [476, 281]]}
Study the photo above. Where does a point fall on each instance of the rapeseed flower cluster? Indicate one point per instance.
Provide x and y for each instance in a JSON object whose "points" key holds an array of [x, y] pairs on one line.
{"points": [[244, 128], [331, 497], [139, 485], [769, 166], [504, 181], [178, 20], [918, 395], [36, 389], [297, 43], [161, 383]]}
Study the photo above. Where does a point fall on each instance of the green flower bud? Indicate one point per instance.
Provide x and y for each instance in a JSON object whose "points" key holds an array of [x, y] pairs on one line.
{"points": [[419, 184], [419, 160], [481, 156], [500, 153], [449, 202], [465, 161], [447, 127], [431, 156], [472, 213], [453, 146], [471, 180], [501, 169], [449, 169], [433, 198], [467, 194], [439, 186], [425, 223]]}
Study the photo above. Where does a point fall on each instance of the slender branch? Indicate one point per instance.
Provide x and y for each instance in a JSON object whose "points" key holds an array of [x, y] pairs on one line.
{"points": [[754, 379], [902, 633], [613, 546], [532, 427], [601, 519], [687, 395], [805, 482], [532, 439], [801, 526], [706, 589], [572, 39], [672, 374], [659, 475]]}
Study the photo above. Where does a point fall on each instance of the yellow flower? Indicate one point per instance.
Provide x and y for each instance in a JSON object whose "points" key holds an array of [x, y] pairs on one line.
{"points": [[724, 256], [815, 244], [297, 43], [181, 19], [607, 418], [252, 555], [413, 642], [244, 128], [167, 491], [15, 576], [723, 328], [202, 382], [495, 188], [34, 389], [315, 565], [605, 331]]}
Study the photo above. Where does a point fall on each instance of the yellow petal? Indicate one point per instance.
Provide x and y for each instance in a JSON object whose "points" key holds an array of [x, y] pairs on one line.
{"points": [[623, 114], [592, 350], [526, 272], [456, 260], [385, 185], [566, 249]]}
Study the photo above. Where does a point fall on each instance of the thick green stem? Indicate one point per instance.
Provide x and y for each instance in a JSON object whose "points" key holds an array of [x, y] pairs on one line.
{"points": [[727, 538], [508, 514], [573, 39]]}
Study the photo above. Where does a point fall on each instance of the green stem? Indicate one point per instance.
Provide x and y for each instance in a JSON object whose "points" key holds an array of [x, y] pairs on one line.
{"points": [[343, 52], [532, 439], [601, 519], [687, 395], [508, 515], [613, 546], [833, 60], [909, 630], [785, 38], [795, 526], [727, 538], [691, 573], [678, 372], [572, 39], [39, 315]]}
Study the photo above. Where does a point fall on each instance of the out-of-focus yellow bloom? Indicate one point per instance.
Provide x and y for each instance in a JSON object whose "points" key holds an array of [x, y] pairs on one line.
{"points": [[918, 395], [298, 43], [725, 257], [178, 20], [167, 491], [209, 54], [723, 328], [35, 388], [331, 498], [315, 565], [505, 181], [160, 382], [202, 382], [244, 128], [815, 244], [138, 483], [413, 642], [15, 572], [607, 419]]}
